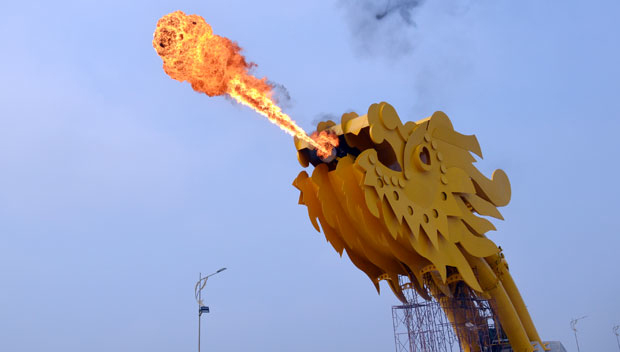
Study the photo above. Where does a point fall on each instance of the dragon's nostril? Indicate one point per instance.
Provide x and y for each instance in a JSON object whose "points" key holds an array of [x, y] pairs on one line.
{"points": [[425, 156], [422, 158]]}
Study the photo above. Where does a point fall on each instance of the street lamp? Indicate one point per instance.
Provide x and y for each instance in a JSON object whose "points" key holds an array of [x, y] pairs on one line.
{"points": [[573, 325], [617, 333], [200, 285]]}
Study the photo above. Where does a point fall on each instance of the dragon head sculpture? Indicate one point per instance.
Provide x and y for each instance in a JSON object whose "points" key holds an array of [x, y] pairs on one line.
{"points": [[407, 200], [403, 199]]}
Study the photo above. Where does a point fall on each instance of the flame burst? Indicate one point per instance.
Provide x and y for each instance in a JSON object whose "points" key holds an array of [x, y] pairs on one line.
{"points": [[213, 65]]}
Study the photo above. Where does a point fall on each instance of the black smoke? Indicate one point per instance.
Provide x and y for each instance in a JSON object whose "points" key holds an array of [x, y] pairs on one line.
{"points": [[382, 25], [324, 117], [281, 95], [403, 8]]}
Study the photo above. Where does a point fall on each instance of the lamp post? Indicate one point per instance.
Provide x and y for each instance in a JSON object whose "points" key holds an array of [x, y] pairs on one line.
{"points": [[200, 285], [573, 325], [617, 333]]}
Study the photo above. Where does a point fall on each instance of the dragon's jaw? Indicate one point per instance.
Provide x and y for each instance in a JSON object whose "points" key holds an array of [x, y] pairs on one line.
{"points": [[354, 142], [308, 155], [342, 150]]}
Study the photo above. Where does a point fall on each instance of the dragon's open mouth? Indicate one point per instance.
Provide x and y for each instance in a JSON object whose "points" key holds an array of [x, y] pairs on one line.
{"points": [[342, 150], [353, 136]]}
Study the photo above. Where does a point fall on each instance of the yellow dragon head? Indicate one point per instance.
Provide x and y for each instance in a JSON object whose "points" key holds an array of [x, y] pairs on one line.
{"points": [[403, 199]]}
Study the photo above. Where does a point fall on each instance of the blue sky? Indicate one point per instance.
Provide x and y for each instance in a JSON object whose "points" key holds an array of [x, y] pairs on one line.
{"points": [[119, 185]]}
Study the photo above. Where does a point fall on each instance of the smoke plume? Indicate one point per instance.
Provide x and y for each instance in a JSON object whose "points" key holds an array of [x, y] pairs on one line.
{"points": [[281, 95], [324, 117], [380, 25], [433, 38], [402, 7]]}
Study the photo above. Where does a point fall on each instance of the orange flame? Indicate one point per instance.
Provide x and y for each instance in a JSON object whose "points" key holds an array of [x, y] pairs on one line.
{"points": [[214, 65]]}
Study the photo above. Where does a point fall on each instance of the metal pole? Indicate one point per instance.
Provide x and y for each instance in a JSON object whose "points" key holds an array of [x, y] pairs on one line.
{"points": [[573, 325], [200, 298], [616, 328], [577, 341], [202, 281]]}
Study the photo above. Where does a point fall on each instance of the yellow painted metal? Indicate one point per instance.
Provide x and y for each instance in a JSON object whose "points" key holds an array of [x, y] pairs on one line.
{"points": [[406, 199]]}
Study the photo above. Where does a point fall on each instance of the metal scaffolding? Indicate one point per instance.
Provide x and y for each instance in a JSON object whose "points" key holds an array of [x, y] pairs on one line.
{"points": [[423, 325]]}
